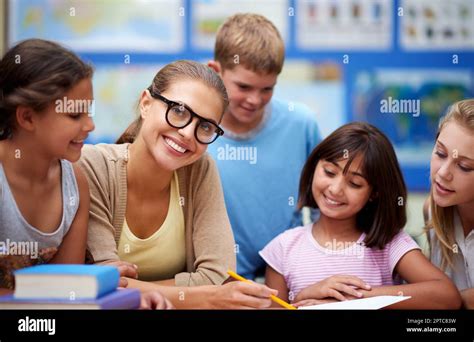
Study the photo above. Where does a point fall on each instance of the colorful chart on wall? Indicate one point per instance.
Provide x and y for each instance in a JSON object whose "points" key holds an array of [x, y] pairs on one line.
{"points": [[117, 90], [354, 24], [406, 104], [437, 24], [100, 26], [208, 15]]}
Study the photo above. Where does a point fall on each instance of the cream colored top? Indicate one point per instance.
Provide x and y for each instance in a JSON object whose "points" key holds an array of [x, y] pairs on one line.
{"points": [[163, 254], [209, 239]]}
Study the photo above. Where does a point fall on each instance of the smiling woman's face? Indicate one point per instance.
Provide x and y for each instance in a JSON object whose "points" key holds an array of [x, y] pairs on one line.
{"points": [[452, 166], [171, 147]]}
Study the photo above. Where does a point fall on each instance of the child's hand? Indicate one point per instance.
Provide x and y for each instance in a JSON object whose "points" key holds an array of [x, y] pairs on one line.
{"points": [[307, 302], [126, 269], [4, 292], [154, 300], [334, 287]]}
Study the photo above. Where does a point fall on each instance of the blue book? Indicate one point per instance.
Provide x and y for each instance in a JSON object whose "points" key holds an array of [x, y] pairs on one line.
{"points": [[122, 299], [69, 282]]}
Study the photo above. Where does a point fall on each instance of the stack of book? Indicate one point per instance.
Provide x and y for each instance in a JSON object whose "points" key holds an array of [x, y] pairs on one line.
{"points": [[69, 287]]}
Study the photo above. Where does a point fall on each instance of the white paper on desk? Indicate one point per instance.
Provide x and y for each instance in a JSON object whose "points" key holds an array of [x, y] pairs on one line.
{"points": [[372, 303]]}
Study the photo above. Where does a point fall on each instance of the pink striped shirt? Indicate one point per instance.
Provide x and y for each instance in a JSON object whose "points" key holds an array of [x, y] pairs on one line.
{"points": [[297, 256]]}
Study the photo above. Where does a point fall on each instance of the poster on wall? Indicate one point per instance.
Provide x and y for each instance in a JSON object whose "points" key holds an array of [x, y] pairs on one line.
{"points": [[208, 15], [319, 86], [437, 24], [406, 104], [333, 25], [100, 26], [117, 90]]}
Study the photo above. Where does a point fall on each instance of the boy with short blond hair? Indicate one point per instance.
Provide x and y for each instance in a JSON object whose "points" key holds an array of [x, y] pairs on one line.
{"points": [[251, 40], [266, 141]]}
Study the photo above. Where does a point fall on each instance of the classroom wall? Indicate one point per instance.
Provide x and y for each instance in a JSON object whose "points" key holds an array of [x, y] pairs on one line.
{"points": [[108, 76], [374, 54]]}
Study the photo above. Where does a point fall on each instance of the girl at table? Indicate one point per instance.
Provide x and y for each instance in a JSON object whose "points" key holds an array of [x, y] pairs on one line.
{"points": [[44, 197], [357, 248]]}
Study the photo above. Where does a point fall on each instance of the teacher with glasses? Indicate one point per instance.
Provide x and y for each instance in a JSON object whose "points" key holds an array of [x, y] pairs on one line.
{"points": [[157, 210]]}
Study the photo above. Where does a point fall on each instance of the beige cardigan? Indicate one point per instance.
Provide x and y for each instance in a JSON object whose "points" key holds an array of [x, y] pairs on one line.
{"points": [[209, 238]]}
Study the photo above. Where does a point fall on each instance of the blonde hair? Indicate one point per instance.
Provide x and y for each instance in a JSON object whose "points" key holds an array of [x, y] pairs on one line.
{"points": [[173, 72], [250, 40], [442, 218]]}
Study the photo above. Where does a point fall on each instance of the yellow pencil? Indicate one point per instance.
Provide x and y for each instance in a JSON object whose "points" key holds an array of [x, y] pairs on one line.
{"points": [[272, 297]]}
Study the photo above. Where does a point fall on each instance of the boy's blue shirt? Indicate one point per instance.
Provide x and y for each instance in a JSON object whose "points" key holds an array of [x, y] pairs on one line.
{"points": [[260, 177]]}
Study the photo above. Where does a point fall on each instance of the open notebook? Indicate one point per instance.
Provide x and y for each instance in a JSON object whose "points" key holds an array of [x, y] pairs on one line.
{"points": [[372, 303]]}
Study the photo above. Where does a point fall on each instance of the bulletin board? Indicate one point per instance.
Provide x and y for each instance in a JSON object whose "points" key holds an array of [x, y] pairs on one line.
{"points": [[342, 57]]}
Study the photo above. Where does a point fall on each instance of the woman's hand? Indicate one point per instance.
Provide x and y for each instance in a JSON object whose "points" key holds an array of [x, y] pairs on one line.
{"points": [[242, 295], [126, 269], [154, 300], [340, 287]]}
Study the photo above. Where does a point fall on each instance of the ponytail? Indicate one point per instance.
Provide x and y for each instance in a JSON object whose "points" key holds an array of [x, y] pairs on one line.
{"points": [[129, 135]]}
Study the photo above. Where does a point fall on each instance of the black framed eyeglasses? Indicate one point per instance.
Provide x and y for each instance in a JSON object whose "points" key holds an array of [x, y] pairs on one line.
{"points": [[179, 115]]}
